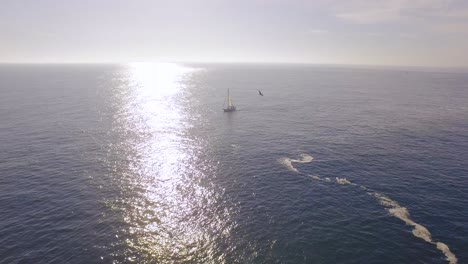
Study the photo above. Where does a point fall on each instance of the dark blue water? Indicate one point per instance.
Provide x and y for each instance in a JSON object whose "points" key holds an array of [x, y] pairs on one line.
{"points": [[139, 164]]}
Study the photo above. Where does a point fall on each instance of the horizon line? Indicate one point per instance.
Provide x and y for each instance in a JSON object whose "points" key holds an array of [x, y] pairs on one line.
{"points": [[232, 62]]}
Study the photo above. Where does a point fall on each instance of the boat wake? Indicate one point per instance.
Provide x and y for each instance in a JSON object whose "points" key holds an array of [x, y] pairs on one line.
{"points": [[288, 162], [390, 205]]}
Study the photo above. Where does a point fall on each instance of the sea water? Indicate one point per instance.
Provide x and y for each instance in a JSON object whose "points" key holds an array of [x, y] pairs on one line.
{"points": [[138, 163]]}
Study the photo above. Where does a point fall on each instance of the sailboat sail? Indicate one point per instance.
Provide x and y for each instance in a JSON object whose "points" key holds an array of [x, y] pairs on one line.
{"points": [[230, 106]]}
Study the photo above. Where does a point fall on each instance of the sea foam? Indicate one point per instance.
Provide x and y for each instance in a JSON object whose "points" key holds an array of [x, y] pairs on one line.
{"points": [[390, 205], [419, 230], [288, 162]]}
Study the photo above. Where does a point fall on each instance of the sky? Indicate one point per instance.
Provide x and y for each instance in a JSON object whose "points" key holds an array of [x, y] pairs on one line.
{"points": [[432, 33]]}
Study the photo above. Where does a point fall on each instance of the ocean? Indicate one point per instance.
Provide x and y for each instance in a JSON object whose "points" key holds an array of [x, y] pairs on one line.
{"points": [[138, 163]]}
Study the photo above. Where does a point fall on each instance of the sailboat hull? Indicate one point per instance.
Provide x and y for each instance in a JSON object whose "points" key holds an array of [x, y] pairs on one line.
{"points": [[230, 109]]}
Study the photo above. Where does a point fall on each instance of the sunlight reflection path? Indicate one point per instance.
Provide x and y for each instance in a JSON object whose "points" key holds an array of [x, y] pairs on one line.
{"points": [[172, 213]]}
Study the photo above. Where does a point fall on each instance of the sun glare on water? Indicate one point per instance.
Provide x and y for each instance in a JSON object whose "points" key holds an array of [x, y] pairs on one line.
{"points": [[169, 213], [159, 79]]}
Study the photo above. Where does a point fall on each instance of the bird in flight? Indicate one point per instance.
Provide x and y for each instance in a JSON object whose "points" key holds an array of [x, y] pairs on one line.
{"points": [[260, 93]]}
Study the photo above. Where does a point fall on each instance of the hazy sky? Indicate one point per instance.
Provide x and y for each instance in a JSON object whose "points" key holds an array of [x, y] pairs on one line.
{"points": [[383, 32]]}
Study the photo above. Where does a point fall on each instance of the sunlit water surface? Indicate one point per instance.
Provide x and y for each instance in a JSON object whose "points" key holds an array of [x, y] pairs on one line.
{"points": [[138, 164]]}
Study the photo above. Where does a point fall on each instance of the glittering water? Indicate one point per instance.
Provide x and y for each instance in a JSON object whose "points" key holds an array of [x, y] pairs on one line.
{"points": [[138, 164]]}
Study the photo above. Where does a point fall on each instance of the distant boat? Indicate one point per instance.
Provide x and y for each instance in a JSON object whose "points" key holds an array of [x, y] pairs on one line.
{"points": [[230, 106]]}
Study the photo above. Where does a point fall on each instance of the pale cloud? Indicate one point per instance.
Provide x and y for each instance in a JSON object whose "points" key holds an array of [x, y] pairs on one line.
{"points": [[455, 14], [407, 17], [451, 28], [317, 31], [370, 16], [370, 12]]}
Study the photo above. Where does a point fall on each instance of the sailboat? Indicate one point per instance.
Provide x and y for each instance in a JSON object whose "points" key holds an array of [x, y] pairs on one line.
{"points": [[230, 106]]}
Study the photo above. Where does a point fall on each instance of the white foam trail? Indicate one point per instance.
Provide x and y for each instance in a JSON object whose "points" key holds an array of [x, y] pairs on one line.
{"points": [[342, 181], [305, 158], [420, 231], [390, 205], [315, 177], [288, 162], [445, 249]]}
